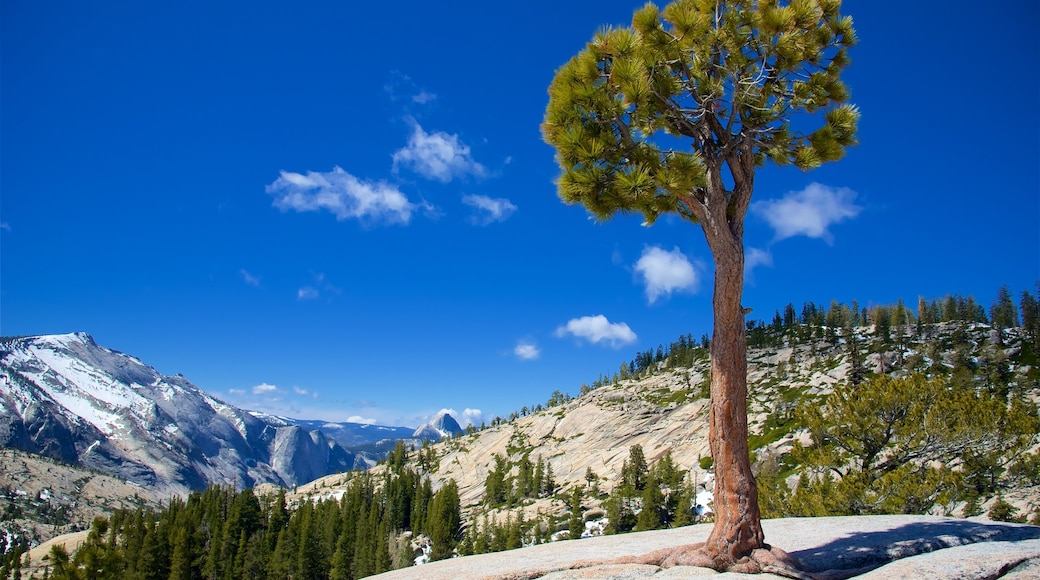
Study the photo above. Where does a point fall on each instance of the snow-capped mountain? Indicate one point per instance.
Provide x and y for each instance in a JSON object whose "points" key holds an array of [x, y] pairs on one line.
{"points": [[65, 397], [442, 426]]}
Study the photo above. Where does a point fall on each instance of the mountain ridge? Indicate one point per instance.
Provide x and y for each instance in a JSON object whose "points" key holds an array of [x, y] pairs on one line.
{"points": [[65, 397]]}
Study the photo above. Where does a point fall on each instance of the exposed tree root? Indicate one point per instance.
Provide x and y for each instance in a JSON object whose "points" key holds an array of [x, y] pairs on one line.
{"points": [[770, 560]]}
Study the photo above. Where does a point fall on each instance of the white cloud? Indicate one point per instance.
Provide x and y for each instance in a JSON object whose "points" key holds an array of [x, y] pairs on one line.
{"points": [[263, 388], [401, 87], [754, 257], [526, 350], [306, 293], [249, 278], [236, 391], [5, 226], [666, 272], [808, 212], [300, 391], [466, 417], [360, 419], [471, 417], [423, 97], [597, 329], [342, 195], [437, 156], [489, 209]]}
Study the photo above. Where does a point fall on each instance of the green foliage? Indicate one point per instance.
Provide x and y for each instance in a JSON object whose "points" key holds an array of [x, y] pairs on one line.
{"points": [[653, 514], [634, 471], [897, 445], [1002, 511], [226, 534], [444, 523], [575, 522], [727, 76]]}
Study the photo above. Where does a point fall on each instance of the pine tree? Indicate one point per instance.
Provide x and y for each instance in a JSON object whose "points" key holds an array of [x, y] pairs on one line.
{"points": [[684, 506], [651, 514], [180, 560], [575, 523], [729, 78], [514, 535], [279, 566], [550, 480], [341, 561], [1030, 316], [1003, 313], [634, 471], [445, 520]]}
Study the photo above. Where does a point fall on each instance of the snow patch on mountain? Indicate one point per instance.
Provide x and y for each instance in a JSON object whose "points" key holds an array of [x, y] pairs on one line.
{"points": [[65, 397]]}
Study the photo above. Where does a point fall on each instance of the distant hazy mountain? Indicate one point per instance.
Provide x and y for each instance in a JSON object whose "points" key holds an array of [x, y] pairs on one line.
{"points": [[349, 435], [65, 397]]}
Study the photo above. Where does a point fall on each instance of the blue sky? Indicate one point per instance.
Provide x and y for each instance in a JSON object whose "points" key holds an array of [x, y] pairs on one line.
{"points": [[345, 210]]}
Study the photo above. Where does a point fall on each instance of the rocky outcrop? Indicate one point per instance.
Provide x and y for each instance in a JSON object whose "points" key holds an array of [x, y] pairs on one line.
{"points": [[868, 547]]}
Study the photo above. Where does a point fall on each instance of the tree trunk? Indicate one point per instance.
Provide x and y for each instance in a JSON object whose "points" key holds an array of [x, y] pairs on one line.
{"points": [[738, 526]]}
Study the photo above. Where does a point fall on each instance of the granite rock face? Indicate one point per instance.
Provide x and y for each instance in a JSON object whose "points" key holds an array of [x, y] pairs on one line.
{"points": [[67, 398], [870, 547]]}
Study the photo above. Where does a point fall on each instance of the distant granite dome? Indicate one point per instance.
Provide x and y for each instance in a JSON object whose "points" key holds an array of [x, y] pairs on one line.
{"points": [[442, 426]]}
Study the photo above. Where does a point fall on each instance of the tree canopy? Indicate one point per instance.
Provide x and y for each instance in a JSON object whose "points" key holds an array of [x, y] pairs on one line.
{"points": [[729, 77]]}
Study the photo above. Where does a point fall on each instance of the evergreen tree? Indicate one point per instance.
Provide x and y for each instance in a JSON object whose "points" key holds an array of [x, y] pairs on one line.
{"points": [[1003, 313], [514, 531], [495, 491], [482, 539], [550, 480], [892, 442], [634, 471], [591, 480], [61, 564], [729, 77], [180, 560], [575, 523], [684, 506], [651, 516], [1030, 316], [341, 561], [281, 564], [539, 477], [445, 520]]}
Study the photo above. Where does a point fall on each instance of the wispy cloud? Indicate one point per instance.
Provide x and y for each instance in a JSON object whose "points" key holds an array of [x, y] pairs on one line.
{"points": [[401, 87], [526, 350], [597, 329], [809, 212], [5, 226], [307, 293], [666, 272], [754, 257], [236, 391], [249, 278], [437, 156], [423, 97], [488, 209], [264, 388], [342, 195]]}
